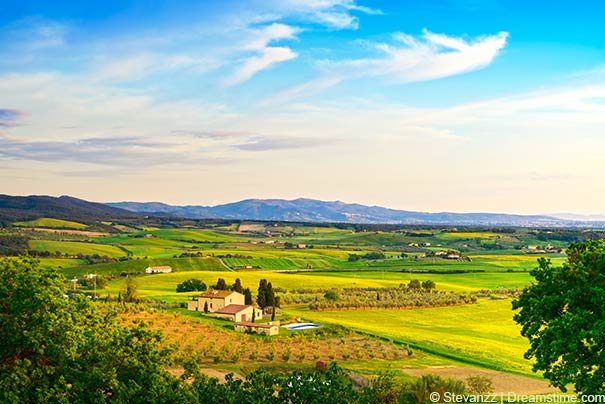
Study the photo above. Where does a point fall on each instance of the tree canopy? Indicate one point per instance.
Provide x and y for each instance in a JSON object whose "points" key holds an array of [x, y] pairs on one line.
{"points": [[563, 316], [59, 349], [220, 284], [191, 285]]}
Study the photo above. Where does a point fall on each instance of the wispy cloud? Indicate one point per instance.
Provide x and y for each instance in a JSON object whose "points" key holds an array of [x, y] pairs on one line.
{"points": [[335, 14], [264, 55], [407, 59], [280, 143], [250, 141], [123, 151], [9, 117]]}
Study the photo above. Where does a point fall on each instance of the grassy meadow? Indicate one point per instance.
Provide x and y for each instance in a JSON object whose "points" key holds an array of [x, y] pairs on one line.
{"points": [[76, 247], [318, 258], [481, 334], [50, 223]]}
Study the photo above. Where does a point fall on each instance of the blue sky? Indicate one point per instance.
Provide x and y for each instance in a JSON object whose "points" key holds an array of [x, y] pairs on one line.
{"points": [[460, 105]]}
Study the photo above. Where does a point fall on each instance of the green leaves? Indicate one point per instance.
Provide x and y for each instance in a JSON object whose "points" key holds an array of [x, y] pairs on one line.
{"points": [[563, 317], [59, 349]]}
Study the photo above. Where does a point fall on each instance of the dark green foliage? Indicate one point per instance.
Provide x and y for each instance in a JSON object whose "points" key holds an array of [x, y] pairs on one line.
{"points": [[270, 295], [266, 295], [221, 284], [428, 285], [414, 284], [247, 296], [261, 297], [13, 244], [563, 316], [57, 349], [191, 285], [331, 295], [374, 255], [237, 286], [263, 387]]}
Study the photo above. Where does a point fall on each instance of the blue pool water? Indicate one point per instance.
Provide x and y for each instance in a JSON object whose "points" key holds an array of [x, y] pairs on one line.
{"points": [[302, 326]]}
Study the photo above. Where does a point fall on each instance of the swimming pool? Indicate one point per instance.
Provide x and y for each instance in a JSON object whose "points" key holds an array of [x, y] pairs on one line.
{"points": [[301, 326]]}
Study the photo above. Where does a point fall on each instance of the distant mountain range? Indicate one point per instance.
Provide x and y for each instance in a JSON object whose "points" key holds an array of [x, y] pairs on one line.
{"points": [[18, 208], [310, 210]]}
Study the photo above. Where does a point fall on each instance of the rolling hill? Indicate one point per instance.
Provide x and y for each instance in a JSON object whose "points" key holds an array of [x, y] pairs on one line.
{"points": [[310, 210], [24, 208]]}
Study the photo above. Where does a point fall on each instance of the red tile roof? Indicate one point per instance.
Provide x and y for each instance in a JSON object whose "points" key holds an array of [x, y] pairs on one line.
{"points": [[233, 309], [217, 293]]}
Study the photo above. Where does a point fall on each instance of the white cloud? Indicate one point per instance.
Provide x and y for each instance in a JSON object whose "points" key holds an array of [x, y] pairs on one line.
{"points": [[267, 34], [265, 56], [408, 59], [268, 57], [438, 56], [335, 14]]}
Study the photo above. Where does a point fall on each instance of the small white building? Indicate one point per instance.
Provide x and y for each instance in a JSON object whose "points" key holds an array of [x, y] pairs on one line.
{"points": [[215, 300], [158, 270], [258, 328]]}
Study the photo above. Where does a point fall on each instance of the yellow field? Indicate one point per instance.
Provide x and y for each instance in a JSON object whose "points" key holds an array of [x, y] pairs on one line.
{"points": [[51, 223], [479, 334]]}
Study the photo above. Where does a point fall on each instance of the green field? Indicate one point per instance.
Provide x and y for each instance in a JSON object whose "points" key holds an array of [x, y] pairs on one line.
{"points": [[60, 263], [457, 282], [196, 235], [163, 286], [52, 224], [75, 248], [482, 334], [135, 266]]}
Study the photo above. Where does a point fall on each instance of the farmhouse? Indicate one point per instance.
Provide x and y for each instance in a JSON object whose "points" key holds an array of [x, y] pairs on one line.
{"points": [[258, 328], [215, 300], [158, 270], [238, 313]]}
